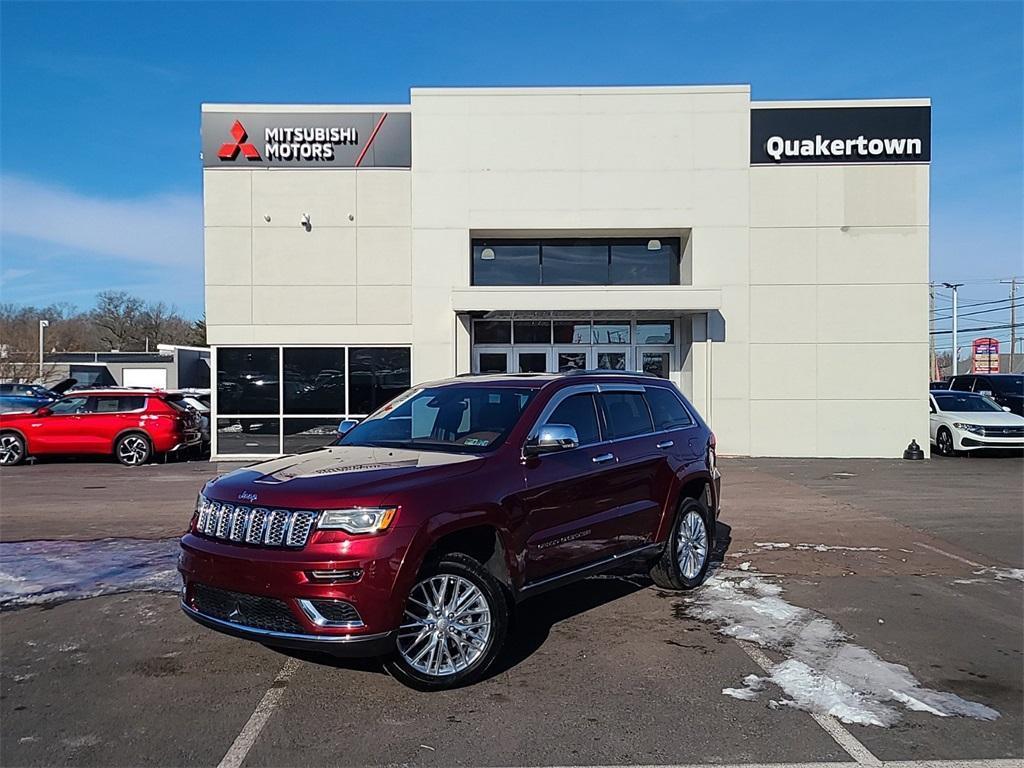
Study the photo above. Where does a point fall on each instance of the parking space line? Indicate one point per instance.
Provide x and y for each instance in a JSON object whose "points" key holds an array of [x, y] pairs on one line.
{"points": [[251, 730], [950, 555], [830, 725], [982, 763]]}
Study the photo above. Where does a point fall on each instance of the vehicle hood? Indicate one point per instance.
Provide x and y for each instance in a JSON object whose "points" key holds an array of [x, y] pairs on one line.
{"points": [[985, 418], [339, 474]]}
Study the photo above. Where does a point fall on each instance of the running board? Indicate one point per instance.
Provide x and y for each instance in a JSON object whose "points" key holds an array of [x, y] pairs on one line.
{"points": [[561, 579]]}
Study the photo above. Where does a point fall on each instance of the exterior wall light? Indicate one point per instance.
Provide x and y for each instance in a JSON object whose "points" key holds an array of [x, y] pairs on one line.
{"points": [[654, 245], [487, 254], [305, 221]]}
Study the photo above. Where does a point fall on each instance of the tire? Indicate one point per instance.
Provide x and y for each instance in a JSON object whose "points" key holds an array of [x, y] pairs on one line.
{"points": [[12, 449], [133, 449], [944, 442], [427, 660], [684, 561]]}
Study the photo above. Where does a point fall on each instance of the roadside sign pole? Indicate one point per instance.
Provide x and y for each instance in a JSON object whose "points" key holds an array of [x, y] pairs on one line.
{"points": [[956, 351]]}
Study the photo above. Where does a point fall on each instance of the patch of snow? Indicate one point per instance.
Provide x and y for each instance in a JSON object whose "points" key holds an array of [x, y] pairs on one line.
{"points": [[824, 672], [744, 566], [803, 547], [1017, 574], [41, 572], [752, 685], [769, 545]]}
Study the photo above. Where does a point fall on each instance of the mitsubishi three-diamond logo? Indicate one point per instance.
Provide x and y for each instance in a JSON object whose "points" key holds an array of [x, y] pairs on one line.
{"points": [[229, 150]]}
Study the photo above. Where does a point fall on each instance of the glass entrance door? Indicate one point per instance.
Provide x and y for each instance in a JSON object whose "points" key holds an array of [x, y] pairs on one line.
{"points": [[614, 358], [573, 358], [531, 359], [656, 360]]}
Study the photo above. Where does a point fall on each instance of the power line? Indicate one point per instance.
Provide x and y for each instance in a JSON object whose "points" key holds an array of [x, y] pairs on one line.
{"points": [[974, 330], [981, 312]]}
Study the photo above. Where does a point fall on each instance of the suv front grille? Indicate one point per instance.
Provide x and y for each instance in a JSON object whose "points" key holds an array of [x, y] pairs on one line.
{"points": [[245, 610], [248, 525]]}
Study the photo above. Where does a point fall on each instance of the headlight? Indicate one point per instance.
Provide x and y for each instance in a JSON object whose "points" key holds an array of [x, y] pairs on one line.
{"points": [[975, 428], [357, 520]]}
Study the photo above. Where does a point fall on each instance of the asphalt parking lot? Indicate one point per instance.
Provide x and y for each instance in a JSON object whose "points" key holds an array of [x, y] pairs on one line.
{"points": [[905, 576]]}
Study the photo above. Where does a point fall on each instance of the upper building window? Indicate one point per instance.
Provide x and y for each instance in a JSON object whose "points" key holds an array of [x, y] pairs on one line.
{"points": [[599, 261]]}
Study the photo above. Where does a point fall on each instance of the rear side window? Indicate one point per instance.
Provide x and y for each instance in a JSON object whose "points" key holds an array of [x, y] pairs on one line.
{"points": [[626, 414], [118, 404], [961, 383], [578, 411], [667, 411]]}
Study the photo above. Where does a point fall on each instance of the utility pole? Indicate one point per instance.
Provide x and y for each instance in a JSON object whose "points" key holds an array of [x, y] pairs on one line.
{"points": [[931, 333], [42, 324], [956, 350], [1013, 320]]}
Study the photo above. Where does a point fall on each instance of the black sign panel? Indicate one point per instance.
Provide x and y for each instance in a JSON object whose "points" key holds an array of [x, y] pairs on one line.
{"points": [[821, 135]]}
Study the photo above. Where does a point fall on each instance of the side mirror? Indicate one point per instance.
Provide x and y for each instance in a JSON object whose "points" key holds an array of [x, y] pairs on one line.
{"points": [[346, 426], [44, 411], [552, 438]]}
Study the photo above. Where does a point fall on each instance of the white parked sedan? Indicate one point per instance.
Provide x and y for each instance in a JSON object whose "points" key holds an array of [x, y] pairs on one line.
{"points": [[966, 421]]}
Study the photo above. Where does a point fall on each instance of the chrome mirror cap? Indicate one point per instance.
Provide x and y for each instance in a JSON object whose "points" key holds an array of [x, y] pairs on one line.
{"points": [[551, 438]]}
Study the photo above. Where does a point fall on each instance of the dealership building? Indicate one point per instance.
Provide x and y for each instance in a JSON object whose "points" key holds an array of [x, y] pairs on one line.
{"points": [[770, 258]]}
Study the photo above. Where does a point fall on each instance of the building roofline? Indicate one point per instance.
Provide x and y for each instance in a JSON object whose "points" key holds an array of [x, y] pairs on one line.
{"points": [[585, 90], [798, 103], [304, 108]]}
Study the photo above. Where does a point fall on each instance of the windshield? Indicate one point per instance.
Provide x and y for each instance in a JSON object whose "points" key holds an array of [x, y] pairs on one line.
{"points": [[459, 419], [964, 401], [1008, 385]]}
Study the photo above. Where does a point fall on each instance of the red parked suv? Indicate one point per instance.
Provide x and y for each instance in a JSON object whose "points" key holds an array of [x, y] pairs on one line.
{"points": [[130, 424], [417, 534]]}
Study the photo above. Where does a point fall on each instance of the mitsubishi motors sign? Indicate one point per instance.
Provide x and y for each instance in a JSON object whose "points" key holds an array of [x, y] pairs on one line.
{"points": [[312, 139]]}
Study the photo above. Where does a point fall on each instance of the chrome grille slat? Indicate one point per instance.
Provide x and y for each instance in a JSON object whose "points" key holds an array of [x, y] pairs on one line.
{"points": [[239, 523], [298, 531], [227, 514], [256, 525]]}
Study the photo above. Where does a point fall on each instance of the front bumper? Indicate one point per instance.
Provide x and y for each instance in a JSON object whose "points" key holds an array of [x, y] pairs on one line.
{"points": [[379, 644], [291, 579], [968, 441]]}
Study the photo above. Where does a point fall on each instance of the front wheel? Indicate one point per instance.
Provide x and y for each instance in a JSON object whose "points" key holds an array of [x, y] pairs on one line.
{"points": [[684, 562], [133, 450], [453, 626], [12, 449], [944, 442]]}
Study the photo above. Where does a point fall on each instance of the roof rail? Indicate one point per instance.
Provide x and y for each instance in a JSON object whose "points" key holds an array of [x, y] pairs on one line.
{"points": [[608, 372]]}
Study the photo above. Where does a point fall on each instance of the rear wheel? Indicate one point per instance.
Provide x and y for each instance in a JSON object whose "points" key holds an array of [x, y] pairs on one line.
{"points": [[133, 449], [944, 442], [12, 449], [684, 561], [453, 626]]}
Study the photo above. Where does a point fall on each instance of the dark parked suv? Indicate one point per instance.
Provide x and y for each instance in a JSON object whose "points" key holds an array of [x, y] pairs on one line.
{"points": [[1007, 389], [416, 536]]}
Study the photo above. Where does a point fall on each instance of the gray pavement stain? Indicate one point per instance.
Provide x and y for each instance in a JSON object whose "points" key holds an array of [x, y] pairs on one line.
{"points": [[42, 572]]}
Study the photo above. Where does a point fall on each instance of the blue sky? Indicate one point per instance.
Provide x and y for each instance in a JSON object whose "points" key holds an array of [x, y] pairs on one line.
{"points": [[99, 105]]}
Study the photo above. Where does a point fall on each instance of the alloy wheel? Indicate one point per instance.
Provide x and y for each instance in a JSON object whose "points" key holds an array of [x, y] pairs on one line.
{"points": [[11, 450], [691, 544], [945, 443], [133, 450], [446, 625]]}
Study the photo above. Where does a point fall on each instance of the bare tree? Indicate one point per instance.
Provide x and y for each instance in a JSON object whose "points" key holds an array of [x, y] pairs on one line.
{"points": [[117, 317]]}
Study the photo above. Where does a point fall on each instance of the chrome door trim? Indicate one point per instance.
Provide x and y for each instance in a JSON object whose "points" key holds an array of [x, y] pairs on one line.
{"points": [[665, 444], [603, 458]]}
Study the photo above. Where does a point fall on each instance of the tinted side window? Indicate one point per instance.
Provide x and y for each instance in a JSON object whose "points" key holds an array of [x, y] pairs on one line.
{"points": [[69, 405], [961, 383], [578, 411], [666, 409], [626, 414], [116, 404]]}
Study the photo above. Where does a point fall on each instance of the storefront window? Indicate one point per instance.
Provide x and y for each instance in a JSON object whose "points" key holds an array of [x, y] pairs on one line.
{"points": [[314, 380], [492, 332], [245, 436], [532, 331], [254, 402], [493, 362], [247, 380], [573, 332], [516, 263], [649, 262], [376, 374], [593, 261], [611, 331], [301, 435], [574, 264], [654, 333]]}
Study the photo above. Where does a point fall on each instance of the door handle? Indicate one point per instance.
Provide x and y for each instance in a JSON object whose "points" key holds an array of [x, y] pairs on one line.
{"points": [[665, 444], [603, 458]]}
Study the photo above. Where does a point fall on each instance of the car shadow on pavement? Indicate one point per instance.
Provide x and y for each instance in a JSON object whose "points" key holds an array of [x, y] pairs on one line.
{"points": [[534, 618]]}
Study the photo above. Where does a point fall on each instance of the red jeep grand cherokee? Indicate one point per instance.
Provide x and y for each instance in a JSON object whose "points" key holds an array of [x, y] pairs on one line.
{"points": [[415, 536]]}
